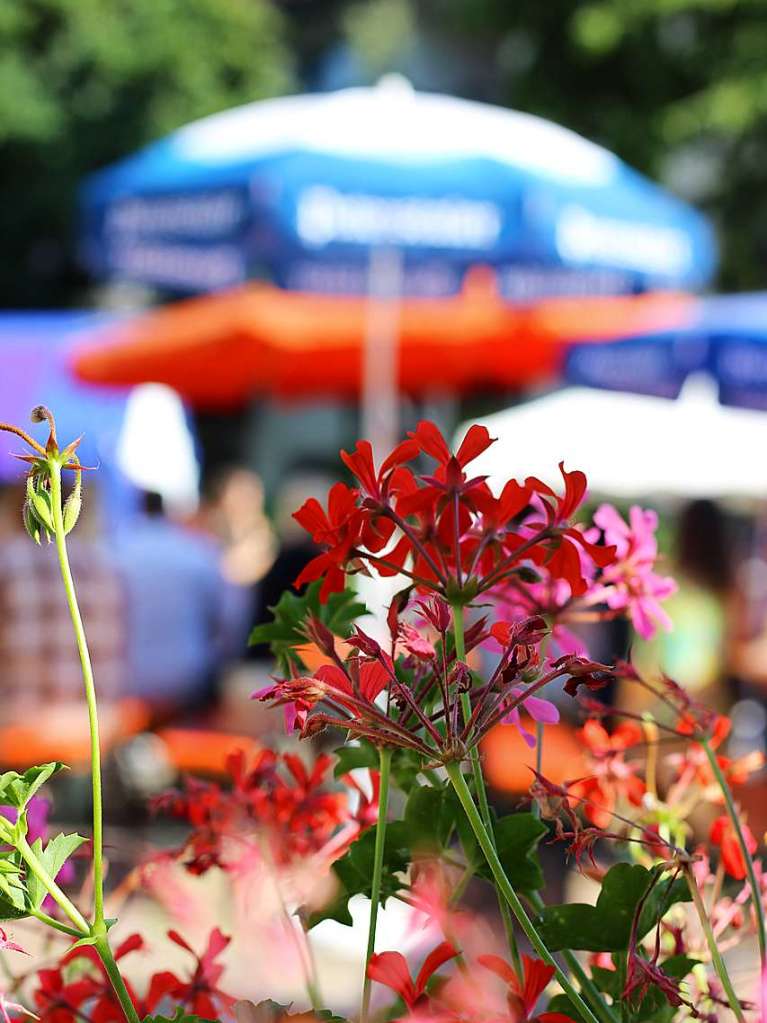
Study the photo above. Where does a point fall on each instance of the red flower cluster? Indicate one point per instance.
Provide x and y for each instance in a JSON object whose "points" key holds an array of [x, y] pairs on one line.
{"points": [[67, 995], [461, 1004], [446, 530], [612, 777], [277, 795]]}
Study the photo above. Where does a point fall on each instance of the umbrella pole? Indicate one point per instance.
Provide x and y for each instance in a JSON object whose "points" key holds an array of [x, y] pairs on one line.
{"points": [[379, 406]]}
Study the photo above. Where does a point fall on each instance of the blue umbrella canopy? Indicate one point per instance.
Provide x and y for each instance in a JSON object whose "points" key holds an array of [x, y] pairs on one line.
{"points": [[724, 336], [300, 190]]}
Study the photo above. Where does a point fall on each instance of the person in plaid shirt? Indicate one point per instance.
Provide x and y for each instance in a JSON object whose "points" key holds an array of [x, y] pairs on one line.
{"points": [[39, 665]]}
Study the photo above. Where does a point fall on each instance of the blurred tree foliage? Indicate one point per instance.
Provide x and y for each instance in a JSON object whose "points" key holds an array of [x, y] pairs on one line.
{"points": [[84, 82], [678, 88]]}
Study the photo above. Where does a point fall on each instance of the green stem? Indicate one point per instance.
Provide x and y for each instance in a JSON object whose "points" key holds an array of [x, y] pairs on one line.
{"points": [[504, 887], [45, 879], [716, 955], [732, 812], [375, 888], [51, 921], [90, 695], [588, 989], [98, 929], [479, 784], [113, 970]]}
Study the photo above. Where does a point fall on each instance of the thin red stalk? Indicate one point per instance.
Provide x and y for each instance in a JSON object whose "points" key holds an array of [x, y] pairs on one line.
{"points": [[367, 556], [501, 570], [417, 544]]}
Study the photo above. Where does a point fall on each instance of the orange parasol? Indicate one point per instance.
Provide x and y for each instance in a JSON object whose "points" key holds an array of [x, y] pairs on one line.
{"points": [[220, 350]]}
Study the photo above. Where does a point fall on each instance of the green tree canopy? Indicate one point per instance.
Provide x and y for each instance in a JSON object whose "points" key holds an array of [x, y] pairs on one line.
{"points": [[677, 88], [85, 82]]}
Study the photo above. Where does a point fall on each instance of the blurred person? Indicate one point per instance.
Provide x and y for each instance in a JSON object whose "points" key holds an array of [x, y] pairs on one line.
{"points": [[185, 620], [233, 511], [296, 548], [40, 668], [750, 652], [697, 651]]}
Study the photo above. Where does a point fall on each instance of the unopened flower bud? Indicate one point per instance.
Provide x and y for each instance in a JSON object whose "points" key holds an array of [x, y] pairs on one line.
{"points": [[31, 524], [313, 726], [40, 503], [72, 507], [321, 636], [366, 644], [460, 677]]}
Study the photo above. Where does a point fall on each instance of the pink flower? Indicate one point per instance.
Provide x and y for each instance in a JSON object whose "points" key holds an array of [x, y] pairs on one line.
{"points": [[539, 710], [629, 583]]}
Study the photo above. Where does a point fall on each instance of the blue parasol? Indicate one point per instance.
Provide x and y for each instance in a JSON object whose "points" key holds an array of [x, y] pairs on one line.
{"points": [[301, 190], [724, 336]]}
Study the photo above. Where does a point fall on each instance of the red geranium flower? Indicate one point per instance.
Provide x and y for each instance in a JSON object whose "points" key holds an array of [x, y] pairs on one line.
{"points": [[723, 835], [391, 969], [524, 992], [613, 778], [446, 530]]}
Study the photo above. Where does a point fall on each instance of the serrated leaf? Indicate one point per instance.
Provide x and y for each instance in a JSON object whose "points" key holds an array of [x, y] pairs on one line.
{"points": [[17, 789], [516, 840], [606, 926], [350, 758], [406, 765], [180, 1017], [53, 857], [286, 630], [13, 895], [354, 871], [430, 817], [269, 1011]]}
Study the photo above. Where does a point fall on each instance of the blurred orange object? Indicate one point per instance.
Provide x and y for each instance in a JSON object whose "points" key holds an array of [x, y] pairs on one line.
{"points": [[62, 734], [219, 350], [203, 751], [508, 760]]}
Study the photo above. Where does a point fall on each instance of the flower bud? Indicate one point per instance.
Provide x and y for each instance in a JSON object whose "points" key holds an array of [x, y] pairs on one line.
{"points": [[41, 505], [31, 524], [73, 504], [72, 507]]}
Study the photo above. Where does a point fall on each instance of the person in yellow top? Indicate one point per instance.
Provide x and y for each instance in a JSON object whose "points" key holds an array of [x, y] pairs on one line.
{"points": [[698, 650]]}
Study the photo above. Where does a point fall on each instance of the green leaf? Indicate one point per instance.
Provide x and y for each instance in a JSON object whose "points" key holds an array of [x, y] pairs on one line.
{"points": [[13, 895], [561, 1003], [516, 839], [17, 789], [286, 631], [606, 927], [406, 765], [354, 871], [269, 1011], [180, 1017], [53, 857], [349, 758], [607, 981], [430, 817]]}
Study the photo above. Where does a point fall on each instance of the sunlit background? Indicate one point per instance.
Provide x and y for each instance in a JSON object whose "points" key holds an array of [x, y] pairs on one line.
{"points": [[238, 235]]}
